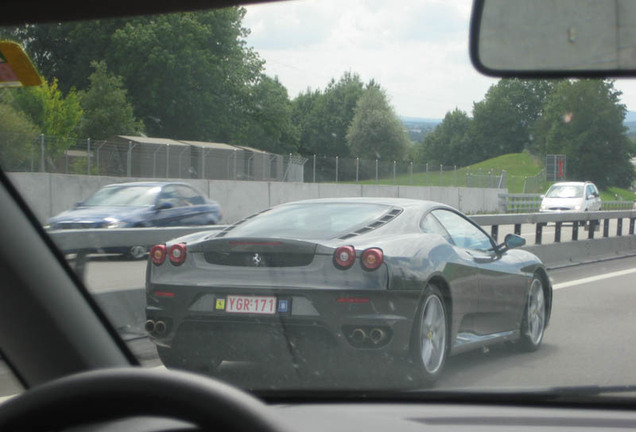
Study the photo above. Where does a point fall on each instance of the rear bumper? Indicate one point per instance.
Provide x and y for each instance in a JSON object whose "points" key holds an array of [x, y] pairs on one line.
{"points": [[316, 322]]}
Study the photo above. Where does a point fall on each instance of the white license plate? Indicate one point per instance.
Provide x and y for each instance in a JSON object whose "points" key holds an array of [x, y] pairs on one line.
{"points": [[265, 305]]}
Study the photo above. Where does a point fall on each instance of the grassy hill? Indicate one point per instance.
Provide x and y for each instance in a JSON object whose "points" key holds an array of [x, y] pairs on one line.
{"points": [[521, 169], [518, 167]]}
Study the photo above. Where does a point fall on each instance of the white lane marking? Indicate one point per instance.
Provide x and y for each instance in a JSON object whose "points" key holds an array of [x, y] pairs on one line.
{"points": [[593, 279]]}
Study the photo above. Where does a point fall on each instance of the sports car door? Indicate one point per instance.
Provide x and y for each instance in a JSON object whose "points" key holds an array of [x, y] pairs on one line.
{"points": [[500, 284]]}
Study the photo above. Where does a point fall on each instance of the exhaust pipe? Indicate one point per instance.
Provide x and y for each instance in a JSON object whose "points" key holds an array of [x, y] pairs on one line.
{"points": [[150, 326], [160, 328], [358, 335], [377, 335]]}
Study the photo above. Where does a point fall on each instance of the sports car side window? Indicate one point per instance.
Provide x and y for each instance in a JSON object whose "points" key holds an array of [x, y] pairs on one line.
{"points": [[430, 224], [463, 232]]}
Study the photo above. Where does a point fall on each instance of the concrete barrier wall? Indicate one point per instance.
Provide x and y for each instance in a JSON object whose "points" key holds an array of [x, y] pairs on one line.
{"points": [[557, 255], [51, 194]]}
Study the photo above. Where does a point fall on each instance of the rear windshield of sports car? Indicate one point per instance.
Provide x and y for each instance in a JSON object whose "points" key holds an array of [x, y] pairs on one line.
{"points": [[311, 221]]}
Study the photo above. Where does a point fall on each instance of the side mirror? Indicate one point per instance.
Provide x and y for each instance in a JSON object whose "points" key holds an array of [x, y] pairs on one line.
{"points": [[164, 205], [511, 241], [79, 204], [542, 196]]}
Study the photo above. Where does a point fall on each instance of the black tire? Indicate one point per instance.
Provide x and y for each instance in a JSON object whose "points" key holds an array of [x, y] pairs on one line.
{"points": [[534, 317], [429, 337]]}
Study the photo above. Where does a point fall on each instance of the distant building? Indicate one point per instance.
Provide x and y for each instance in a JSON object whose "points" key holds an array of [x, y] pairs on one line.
{"points": [[134, 156]]}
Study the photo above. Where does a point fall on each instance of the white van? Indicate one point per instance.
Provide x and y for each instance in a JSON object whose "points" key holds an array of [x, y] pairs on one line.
{"points": [[571, 197]]}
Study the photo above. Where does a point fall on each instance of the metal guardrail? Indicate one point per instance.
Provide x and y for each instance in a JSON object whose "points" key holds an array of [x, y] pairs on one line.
{"points": [[525, 203], [75, 240], [84, 241], [576, 220], [519, 203]]}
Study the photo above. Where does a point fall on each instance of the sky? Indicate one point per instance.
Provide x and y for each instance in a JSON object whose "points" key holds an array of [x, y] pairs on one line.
{"points": [[417, 50]]}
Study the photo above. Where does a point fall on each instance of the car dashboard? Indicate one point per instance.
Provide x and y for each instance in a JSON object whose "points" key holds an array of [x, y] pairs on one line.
{"points": [[405, 417]]}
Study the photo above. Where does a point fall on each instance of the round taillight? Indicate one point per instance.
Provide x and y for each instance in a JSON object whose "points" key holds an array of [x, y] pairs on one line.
{"points": [[177, 253], [158, 254], [372, 258], [344, 257]]}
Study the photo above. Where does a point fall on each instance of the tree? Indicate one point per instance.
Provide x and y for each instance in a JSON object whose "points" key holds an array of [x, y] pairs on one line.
{"points": [[17, 135], [504, 120], [48, 108], [107, 111], [450, 142], [65, 50], [268, 124], [376, 132], [188, 75], [302, 116], [583, 119], [324, 130]]}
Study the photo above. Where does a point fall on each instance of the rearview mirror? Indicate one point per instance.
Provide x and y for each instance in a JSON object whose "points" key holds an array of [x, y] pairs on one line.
{"points": [[523, 38]]}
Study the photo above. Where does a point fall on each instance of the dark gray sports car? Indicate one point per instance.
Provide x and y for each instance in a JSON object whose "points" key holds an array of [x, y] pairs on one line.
{"points": [[393, 280]]}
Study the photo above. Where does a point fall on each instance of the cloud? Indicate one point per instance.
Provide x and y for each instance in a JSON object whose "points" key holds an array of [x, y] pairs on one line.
{"points": [[417, 50]]}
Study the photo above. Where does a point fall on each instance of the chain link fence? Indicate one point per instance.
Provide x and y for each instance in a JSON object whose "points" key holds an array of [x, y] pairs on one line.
{"points": [[535, 184], [354, 170], [143, 157], [147, 157]]}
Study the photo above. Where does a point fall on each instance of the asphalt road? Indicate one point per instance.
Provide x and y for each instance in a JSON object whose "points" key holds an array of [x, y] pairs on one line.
{"points": [[590, 340]]}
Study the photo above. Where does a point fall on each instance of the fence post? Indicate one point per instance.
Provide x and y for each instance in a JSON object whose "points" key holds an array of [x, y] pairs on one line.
{"points": [[455, 175], [181, 154], [467, 176], [357, 168], [234, 168], [427, 174], [97, 157], [394, 177], [502, 179], [441, 173], [314, 168], [263, 169], [42, 165], [154, 161], [167, 160], [411, 176], [129, 160], [88, 156], [376, 171], [202, 162], [336, 169], [66, 160]]}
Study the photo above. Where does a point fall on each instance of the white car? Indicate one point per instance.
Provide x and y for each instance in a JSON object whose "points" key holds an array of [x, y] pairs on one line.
{"points": [[571, 197]]}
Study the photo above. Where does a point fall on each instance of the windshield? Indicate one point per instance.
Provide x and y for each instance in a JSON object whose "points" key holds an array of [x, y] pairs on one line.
{"points": [[129, 196], [307, 126], [565, 191]]}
